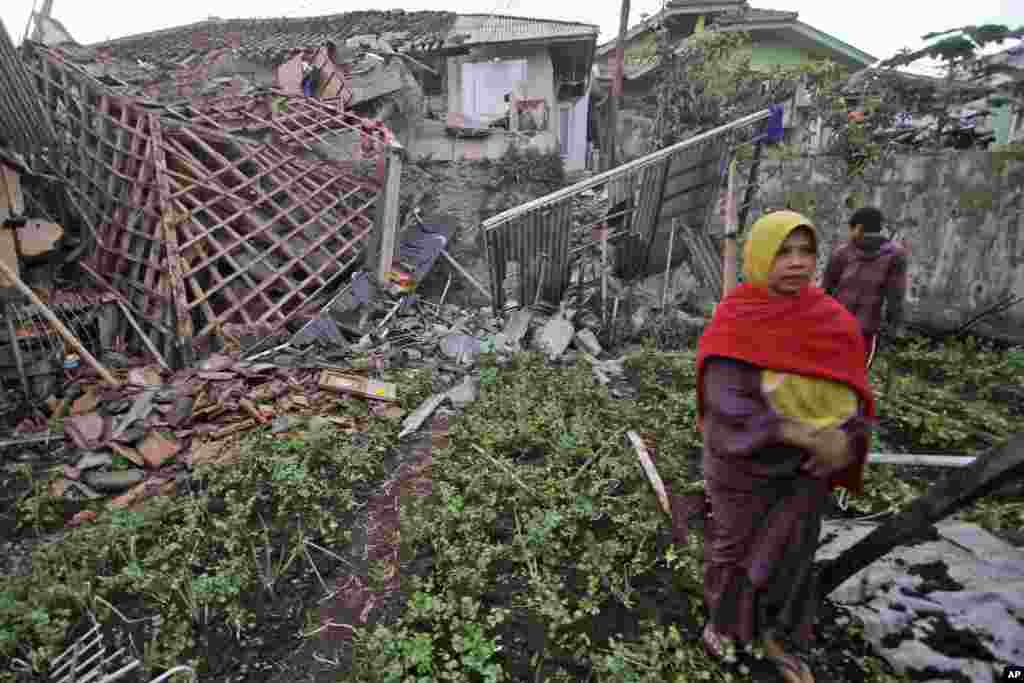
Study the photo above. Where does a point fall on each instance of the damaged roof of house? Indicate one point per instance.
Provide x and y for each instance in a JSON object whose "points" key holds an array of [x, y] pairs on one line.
{"points": [[405, 31], [471, 29], [417, 32]]}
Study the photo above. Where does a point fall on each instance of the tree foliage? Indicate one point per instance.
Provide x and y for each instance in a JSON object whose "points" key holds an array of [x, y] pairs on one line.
{"points": [[971, 75], [710, 80]]}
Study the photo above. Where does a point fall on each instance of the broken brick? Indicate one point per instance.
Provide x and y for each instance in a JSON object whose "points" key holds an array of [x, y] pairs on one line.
{"points": [[86, 431], [86, 403], [233, 429], [144, 377], [128, 453], [250, 408], [129, 497], [217, 376], [156, 449], [216, 363], [82, 516]]}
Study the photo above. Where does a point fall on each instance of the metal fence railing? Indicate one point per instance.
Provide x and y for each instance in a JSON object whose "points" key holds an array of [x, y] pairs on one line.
{"points": [[655, 213]]}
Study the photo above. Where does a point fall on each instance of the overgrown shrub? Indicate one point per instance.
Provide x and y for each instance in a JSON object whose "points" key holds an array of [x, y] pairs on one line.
{"points": [[529, 167], [201, 565]]}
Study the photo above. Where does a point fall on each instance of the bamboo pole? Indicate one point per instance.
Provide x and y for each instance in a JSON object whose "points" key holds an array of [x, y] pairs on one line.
{"points": [[668, 263], [604, 273], [61, 329], [650, 470], [16, 349], [464, 273], [730, 249], [147, 342]]}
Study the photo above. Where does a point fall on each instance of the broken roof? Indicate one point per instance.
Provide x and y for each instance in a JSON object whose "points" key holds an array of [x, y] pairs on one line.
{"points": [[23, 124], [276, 37], [473, 29], [272, 39]]}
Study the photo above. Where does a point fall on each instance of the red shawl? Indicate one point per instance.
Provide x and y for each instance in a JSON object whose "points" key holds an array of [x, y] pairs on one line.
{"points": [[810, 334]]}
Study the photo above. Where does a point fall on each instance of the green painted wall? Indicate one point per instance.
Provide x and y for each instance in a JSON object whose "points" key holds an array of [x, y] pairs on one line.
{"points": [[1001, 117], [765, 55]]}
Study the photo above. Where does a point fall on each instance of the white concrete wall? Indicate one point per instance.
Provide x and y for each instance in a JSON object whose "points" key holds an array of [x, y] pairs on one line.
{"points": [[540, 73], [539, 83]]}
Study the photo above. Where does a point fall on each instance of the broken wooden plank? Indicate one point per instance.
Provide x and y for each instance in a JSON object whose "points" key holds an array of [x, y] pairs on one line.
{"points": [[386, 228], [360, 386], [651, 471], [920, 460], [465, 273], [986, 474], [61, 329], [234, 429], [16, 349], [37, 237]]}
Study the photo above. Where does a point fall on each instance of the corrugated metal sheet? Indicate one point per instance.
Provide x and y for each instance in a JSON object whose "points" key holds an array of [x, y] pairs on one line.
{"points": [[470, 29], [23, 122], [529, 248]]}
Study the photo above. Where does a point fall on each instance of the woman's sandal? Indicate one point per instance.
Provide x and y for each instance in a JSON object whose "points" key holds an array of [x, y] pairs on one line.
{"points": [[791, 666], [718, 646]]}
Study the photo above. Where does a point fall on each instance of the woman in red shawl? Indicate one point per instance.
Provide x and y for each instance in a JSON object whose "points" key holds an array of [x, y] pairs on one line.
{"points": [[784, 405]]}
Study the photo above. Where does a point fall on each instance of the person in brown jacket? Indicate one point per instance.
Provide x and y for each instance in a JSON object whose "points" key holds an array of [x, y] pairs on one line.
{"points": [[867, 273]]}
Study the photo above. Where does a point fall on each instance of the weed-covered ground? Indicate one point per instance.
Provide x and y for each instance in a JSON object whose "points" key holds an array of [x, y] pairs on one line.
{"points": [[540, 554]]}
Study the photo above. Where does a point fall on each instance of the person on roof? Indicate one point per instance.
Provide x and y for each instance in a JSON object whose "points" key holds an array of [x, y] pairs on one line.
{"points": [[785, 409], [865, 274]]}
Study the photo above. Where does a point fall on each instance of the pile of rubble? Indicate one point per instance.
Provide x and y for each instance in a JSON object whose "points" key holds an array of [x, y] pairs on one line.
{"points": [[141, 438], [144, 436]]}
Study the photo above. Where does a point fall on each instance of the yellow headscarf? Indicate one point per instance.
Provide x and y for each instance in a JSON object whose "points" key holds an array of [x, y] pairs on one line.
{"points": [[818, 402]]}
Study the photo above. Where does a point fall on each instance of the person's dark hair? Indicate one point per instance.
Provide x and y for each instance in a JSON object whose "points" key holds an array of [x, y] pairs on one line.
{"points": [[809, 231], [868, 216]]}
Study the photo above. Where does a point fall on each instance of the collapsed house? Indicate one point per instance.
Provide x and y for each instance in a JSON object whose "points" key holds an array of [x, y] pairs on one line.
{"points": [[220, 179], [448, 86], [176, 223]]}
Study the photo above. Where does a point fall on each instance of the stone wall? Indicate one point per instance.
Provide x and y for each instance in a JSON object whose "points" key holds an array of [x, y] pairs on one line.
{"points": [[960, 214]]}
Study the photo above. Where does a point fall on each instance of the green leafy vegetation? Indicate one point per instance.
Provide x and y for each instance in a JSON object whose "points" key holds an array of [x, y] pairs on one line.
{"points": [[541, 553], [191, 572]]}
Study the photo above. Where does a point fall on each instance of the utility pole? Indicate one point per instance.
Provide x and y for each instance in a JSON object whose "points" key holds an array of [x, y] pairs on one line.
{"points": [[43, 13], [611, 154]]}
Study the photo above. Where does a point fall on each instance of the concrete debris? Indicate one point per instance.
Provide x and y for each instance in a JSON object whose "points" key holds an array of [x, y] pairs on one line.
{"points": [[517, 327], [113, 482], [587, 341], [320, 330], [72, 490], [554, 337], [950, 607], [90, 461], [461, 347], [416, 418], [463, 393]]}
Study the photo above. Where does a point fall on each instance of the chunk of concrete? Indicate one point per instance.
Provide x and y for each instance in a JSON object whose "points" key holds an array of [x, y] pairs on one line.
{"points": [[586, 340], [461, 346], [553, 339], [90, 461], [113, 482], [518, 324], [463, 393], [416, 418]]}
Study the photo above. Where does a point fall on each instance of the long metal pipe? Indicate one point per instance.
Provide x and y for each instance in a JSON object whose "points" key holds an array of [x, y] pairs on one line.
{"points": [[630, 167]]}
